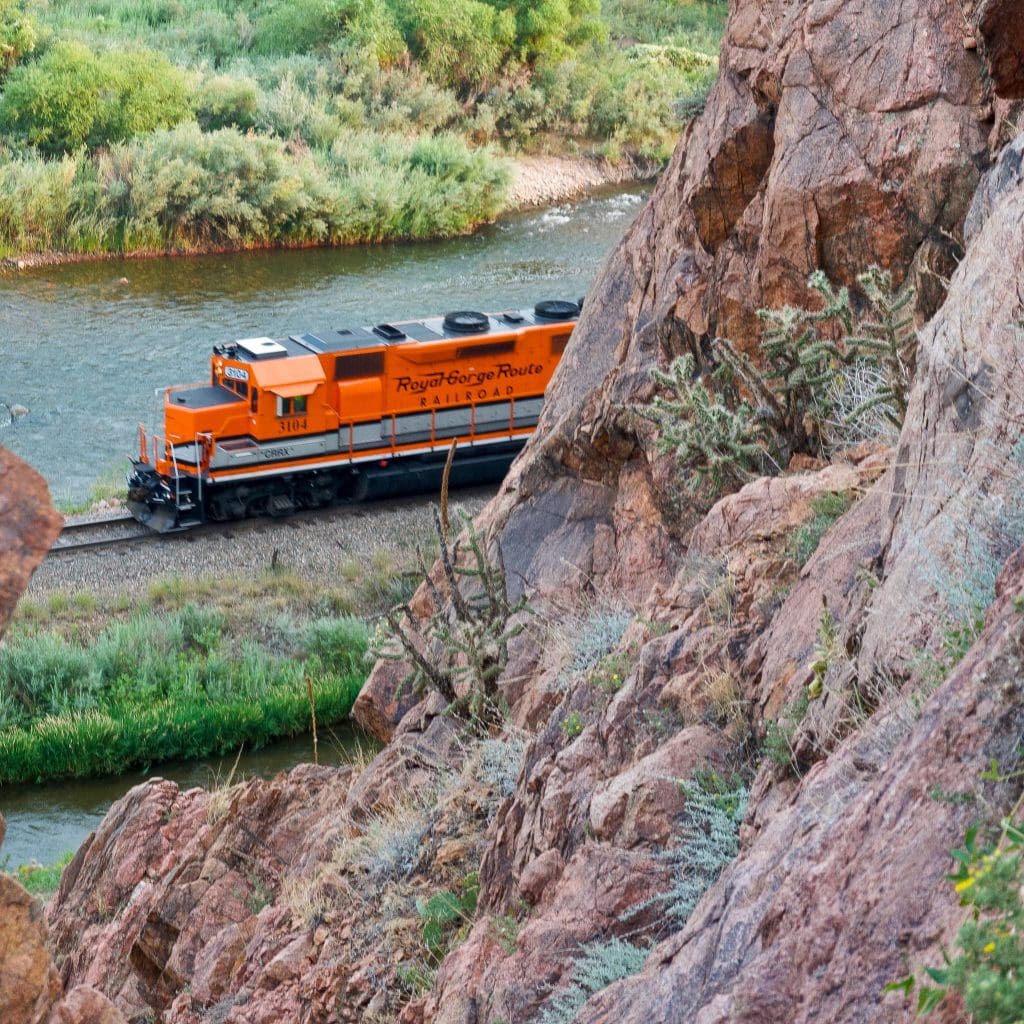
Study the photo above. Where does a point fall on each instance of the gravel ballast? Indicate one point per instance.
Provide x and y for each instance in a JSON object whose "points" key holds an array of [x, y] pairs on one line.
{"points": [[313, 545]]}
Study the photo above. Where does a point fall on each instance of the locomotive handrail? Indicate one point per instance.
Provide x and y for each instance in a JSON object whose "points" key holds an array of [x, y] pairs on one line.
{"points": [[143, 445]]}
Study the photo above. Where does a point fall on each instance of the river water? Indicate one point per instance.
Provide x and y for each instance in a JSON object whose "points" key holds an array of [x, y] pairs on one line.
{"points": [[84, 347], [46, 821]]}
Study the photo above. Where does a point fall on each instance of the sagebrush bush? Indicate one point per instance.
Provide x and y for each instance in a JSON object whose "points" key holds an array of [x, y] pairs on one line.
{"points": [[708, 842], [601, 964], [594, 634]]}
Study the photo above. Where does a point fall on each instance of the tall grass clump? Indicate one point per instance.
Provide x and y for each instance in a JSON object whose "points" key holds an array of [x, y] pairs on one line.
{"points": [[167, 686], [188, 189]]}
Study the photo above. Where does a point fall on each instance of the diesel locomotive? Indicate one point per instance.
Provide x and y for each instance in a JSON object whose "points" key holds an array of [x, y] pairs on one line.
{"points": [[348, 414]]}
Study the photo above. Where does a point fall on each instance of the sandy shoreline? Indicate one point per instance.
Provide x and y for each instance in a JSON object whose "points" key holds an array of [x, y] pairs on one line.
{"points": [[537, 181]]}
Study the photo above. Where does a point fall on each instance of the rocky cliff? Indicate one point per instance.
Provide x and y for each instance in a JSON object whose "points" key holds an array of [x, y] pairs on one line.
{"points": [[554, 869], [30, 989]]}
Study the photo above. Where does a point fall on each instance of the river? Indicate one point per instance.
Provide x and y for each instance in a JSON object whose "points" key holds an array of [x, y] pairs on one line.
{"points": [[85, 346], [45, 821]]}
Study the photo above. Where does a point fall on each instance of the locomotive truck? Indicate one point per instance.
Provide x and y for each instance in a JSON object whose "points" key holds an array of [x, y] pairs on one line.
{"points": [[348, 414]]}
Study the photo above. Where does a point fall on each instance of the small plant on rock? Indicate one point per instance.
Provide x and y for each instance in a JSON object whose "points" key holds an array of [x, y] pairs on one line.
{"points": [[601, 964], [445, 914], [572, 724], [988, 969], [827, 509], [709, 842]]}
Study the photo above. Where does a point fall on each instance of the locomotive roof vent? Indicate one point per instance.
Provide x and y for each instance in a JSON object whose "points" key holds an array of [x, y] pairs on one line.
{"points": [[466, 321], [389, 332], [556, 309], [261, 347]]}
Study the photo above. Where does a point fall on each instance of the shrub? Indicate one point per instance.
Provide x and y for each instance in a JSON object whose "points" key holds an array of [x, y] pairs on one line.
{"points": [[72, 97], [708, 843], [296, 26], [459, 43], [602, 964], [43, 879], [225, 101], [18, 33], [596, 635], [500, 761]]}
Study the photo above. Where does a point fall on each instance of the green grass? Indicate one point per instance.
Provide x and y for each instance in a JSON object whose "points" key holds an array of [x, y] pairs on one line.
{"points": [[42, 880], [130, 125], [826, 510], [109, 485], [163, 686]]}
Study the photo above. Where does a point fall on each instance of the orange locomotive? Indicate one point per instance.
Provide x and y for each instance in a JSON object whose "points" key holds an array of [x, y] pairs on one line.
{"points": [[347, 414]]}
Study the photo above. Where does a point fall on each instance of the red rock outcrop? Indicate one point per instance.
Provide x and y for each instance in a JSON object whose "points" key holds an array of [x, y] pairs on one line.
{"points": [[28, 526], [1001, 25], [29, 985]]}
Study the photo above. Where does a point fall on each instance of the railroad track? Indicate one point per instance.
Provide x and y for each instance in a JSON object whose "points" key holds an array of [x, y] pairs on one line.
{"points": [[124, 530], [116, 531]]}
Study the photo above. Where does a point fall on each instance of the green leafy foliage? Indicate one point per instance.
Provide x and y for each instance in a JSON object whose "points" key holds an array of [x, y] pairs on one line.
{"points": [[987, 969], [72, 97], [18, 33], [446, 914]]}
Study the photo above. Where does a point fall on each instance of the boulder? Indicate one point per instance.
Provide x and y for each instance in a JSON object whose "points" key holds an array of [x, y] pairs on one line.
{"points": [[29, 983], [28, 526]]}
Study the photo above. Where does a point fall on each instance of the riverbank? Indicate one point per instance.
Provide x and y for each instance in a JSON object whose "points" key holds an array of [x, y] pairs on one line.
{"points": [[125, 658], [534, 182]]}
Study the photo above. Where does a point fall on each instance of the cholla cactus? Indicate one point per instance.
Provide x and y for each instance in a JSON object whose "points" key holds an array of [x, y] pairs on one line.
{"points": [[754, 415], [462, 648], [716, 445]]}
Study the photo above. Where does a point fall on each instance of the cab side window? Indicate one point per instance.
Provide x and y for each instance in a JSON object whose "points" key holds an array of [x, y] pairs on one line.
{"points": [[292, 406]]}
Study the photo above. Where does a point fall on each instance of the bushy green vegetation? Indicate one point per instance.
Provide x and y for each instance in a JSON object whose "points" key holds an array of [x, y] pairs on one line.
{"points": [[162, 686], [345, 120]]}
